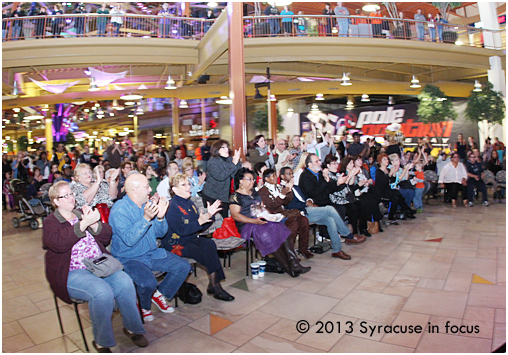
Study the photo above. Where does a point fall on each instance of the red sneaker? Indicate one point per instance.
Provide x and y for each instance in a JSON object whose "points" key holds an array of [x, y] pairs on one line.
{"points": [[160, 301], [147, 315]]}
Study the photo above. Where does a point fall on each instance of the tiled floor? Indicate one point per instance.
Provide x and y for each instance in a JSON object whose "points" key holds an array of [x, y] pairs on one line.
{"points": [[446, 267]]}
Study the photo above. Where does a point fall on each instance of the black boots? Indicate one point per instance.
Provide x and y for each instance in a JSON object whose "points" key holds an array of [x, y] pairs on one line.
{"points": [[281, 257], [215, 289], [294, 262]]}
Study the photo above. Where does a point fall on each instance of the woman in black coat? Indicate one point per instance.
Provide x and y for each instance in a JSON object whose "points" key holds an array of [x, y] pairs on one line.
{"points": [[184, 224], [220, 171], [40, 23]]}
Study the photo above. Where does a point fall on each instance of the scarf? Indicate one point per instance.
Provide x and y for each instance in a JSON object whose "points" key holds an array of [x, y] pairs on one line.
{"points": [[262, 151], [274, 190]]}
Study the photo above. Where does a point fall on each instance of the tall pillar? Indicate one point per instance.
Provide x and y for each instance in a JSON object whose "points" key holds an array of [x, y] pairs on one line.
{"points": [[272, 119], [203, 118], [48, 131], [488, 16], [496, 74], [176, 120], [238, 113], [135, 122]]}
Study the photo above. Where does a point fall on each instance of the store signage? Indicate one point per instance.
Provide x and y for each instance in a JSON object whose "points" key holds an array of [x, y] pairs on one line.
{"points": [[197, 130]]}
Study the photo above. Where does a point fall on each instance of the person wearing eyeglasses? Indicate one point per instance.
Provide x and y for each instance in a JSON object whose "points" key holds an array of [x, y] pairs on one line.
{"points": [[184, 224], [453, 178], [475, 176], [93, 193], [70, 235], [221, 168], [269, 237]]}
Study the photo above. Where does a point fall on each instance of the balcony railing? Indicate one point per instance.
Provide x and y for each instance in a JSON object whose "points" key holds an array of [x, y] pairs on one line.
{"points": [[148, 26], [99, 25], [367, 27]]}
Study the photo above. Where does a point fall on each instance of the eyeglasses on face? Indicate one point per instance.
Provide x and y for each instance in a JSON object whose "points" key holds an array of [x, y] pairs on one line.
{"points": [[66, 196], [248, 179]]}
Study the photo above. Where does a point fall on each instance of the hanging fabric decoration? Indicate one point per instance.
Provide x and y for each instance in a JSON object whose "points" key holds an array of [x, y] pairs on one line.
{"points": [[54, 88], [102, 78]]}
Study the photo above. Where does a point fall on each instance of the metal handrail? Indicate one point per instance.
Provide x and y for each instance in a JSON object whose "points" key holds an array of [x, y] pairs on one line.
{"points": [[152, 26]]}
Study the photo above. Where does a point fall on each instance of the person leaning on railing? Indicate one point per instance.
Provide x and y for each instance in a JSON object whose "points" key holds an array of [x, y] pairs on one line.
{"points": [[117, 21], [102, 21]]}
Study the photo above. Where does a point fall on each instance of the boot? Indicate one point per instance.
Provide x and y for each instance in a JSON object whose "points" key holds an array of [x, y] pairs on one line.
{"points": [[215, 289], [281, 257], [294, 262]]}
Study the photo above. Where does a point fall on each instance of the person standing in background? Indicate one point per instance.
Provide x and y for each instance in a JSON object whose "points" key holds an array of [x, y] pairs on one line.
{"points": [[287, 22], [420, 27], [431, 24], [342, 22], [102, 21]]}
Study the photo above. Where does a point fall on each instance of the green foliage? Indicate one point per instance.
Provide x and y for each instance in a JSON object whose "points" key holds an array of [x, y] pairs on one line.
{"points": [[260, 120], [434, 106], [445, 7], [486, 105], [10, 146], [22, 143], [69, 139]]}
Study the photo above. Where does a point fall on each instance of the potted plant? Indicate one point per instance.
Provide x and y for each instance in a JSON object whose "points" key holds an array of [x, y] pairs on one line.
{"points": [[486, 106]]}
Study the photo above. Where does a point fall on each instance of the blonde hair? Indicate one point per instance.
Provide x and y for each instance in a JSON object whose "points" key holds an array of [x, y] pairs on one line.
{"points": [[187, 164], [54, 191], [79, 169], [301, 163], [97, 168], [175, 181], [392, 157], [290, 143]]}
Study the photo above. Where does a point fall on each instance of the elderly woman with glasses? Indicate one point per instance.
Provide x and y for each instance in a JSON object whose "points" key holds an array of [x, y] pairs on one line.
{"points": [[453, 178], [220, 170], [93, 193], [69, 236], [184, 224]]}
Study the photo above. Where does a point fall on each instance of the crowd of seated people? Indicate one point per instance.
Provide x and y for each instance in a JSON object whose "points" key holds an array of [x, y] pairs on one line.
{"points": [[148, 197]]}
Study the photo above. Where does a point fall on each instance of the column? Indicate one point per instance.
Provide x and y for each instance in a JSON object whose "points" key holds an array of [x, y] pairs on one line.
{"points": [[135, 121], [496, 74], [238, 113], [203, 118], [48, 131], [176, 120]]}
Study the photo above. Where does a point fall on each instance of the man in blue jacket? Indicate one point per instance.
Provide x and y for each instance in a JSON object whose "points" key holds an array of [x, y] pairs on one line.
{"points": [[137, 222]]}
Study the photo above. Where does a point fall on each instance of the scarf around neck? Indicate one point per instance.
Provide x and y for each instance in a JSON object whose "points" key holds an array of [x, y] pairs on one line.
{"points": [[274, 190], [262, 151]]}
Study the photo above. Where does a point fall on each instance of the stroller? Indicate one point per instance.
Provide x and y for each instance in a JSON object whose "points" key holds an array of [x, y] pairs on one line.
{"points": [[30, 210]]}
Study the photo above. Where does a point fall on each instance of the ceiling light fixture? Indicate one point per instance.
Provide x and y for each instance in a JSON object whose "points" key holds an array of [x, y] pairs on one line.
{"points": [[130, 97], [93, 86], [477, 86], [345, 79], [45, 107], [272, 98], [16, 109], [170, 84], [365, 98], [224, 100], [290, 111], [370, 7], [183, 104], [212, 4], [415, 82], [319, 97]]}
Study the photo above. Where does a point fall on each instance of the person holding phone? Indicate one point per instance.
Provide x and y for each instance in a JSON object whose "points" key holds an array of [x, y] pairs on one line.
{"points": [[70, 235]]}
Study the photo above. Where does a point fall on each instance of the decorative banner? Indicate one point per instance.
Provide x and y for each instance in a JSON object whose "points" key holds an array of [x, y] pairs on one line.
{"points": [[373, 120], [102, 78], [54, 88]]}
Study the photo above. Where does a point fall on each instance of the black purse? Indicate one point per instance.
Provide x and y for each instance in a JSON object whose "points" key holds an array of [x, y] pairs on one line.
{"points": [[189, 293]]}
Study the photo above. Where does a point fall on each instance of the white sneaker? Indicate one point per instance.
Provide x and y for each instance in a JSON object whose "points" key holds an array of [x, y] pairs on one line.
{"points": [[319, 237], [342, 240], [147, 315], [160, 301], [486, 203]]}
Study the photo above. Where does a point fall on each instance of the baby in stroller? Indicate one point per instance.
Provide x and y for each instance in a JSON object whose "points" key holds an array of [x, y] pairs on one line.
{"points": [[28, 203]]}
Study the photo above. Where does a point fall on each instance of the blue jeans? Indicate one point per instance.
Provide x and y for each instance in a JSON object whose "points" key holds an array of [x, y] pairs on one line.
{"points": [[101, 295], [343, 28], [101, 28], [116, 28], [440, 33], [420, 30], [274, 27], [177, 270], [408, 195], [328, 216], [432, 32], [16, 32], [417, 200]]}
